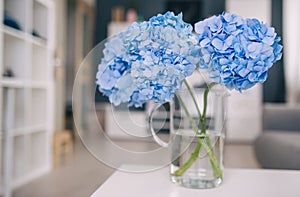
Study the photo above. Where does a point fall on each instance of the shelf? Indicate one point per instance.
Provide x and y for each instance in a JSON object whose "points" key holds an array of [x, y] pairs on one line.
{"points": [[40, 17], [20, 160], [18, 132], [29, 129], [39, 106], [26, 57], [14, 47], [14, 32], [38, 150], [37, 128], [26, 131], [39, 42], [19, 115], [39, 69], [38, 85], [24, 36], [10, 82], [19, 108], [15, 11]]}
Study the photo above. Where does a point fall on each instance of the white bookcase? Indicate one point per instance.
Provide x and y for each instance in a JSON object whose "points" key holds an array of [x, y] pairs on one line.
{"points": [[27, 53]]}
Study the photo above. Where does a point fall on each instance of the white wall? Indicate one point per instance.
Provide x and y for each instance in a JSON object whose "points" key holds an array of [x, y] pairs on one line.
{"points": [[260, 9], [291, 49], [244, 117]]}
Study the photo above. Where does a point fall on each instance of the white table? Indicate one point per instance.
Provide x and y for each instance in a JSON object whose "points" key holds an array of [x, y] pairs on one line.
{"points": [[237, 183]]}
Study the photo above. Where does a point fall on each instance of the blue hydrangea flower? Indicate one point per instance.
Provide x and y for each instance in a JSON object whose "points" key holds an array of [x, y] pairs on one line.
{"points": [[148, 61], [237, 52]]}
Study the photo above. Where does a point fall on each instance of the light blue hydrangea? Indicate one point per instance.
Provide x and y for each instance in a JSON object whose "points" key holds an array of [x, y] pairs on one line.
{"points": [[148, 61], [237, 52]]}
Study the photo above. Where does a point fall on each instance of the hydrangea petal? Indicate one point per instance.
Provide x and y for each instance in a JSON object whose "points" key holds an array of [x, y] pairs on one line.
{"points": [[239, 55], [148, 61]]}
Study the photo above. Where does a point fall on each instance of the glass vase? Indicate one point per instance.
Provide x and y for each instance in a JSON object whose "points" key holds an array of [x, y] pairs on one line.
{"points": [[197, 131], [201, 173]]}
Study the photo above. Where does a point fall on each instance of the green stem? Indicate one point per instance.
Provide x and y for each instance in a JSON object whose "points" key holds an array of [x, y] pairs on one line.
{"points": [[194, 99], [209, 87], [213, 160], [191, 160], [203, 118]]}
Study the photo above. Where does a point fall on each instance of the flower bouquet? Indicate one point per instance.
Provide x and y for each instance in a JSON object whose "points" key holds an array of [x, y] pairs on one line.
{"points": [[151, 60]]}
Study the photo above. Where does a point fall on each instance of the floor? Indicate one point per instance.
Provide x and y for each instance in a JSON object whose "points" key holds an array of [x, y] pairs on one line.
{"points": [[77, 178], [84, 173]]}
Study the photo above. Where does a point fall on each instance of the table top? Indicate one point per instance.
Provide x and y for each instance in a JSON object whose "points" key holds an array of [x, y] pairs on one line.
{"points": [[237, 183]]}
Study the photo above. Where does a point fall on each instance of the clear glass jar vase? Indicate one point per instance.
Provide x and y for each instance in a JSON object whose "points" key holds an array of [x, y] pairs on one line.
{"points": [[206, 168], [197, 131]]}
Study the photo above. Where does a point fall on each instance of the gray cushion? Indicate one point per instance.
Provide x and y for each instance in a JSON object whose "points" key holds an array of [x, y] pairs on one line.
{"points": [[279, 150], [281, 117]]}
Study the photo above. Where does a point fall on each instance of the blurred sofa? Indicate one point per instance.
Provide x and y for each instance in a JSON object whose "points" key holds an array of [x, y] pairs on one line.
{"points": [[278, 146]]}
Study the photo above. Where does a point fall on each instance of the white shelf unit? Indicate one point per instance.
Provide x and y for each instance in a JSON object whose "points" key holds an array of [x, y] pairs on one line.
{"points": [[28, 54]]}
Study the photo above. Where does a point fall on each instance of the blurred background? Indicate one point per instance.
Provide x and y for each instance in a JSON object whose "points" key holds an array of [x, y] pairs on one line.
{"points": [[44, 42]]}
